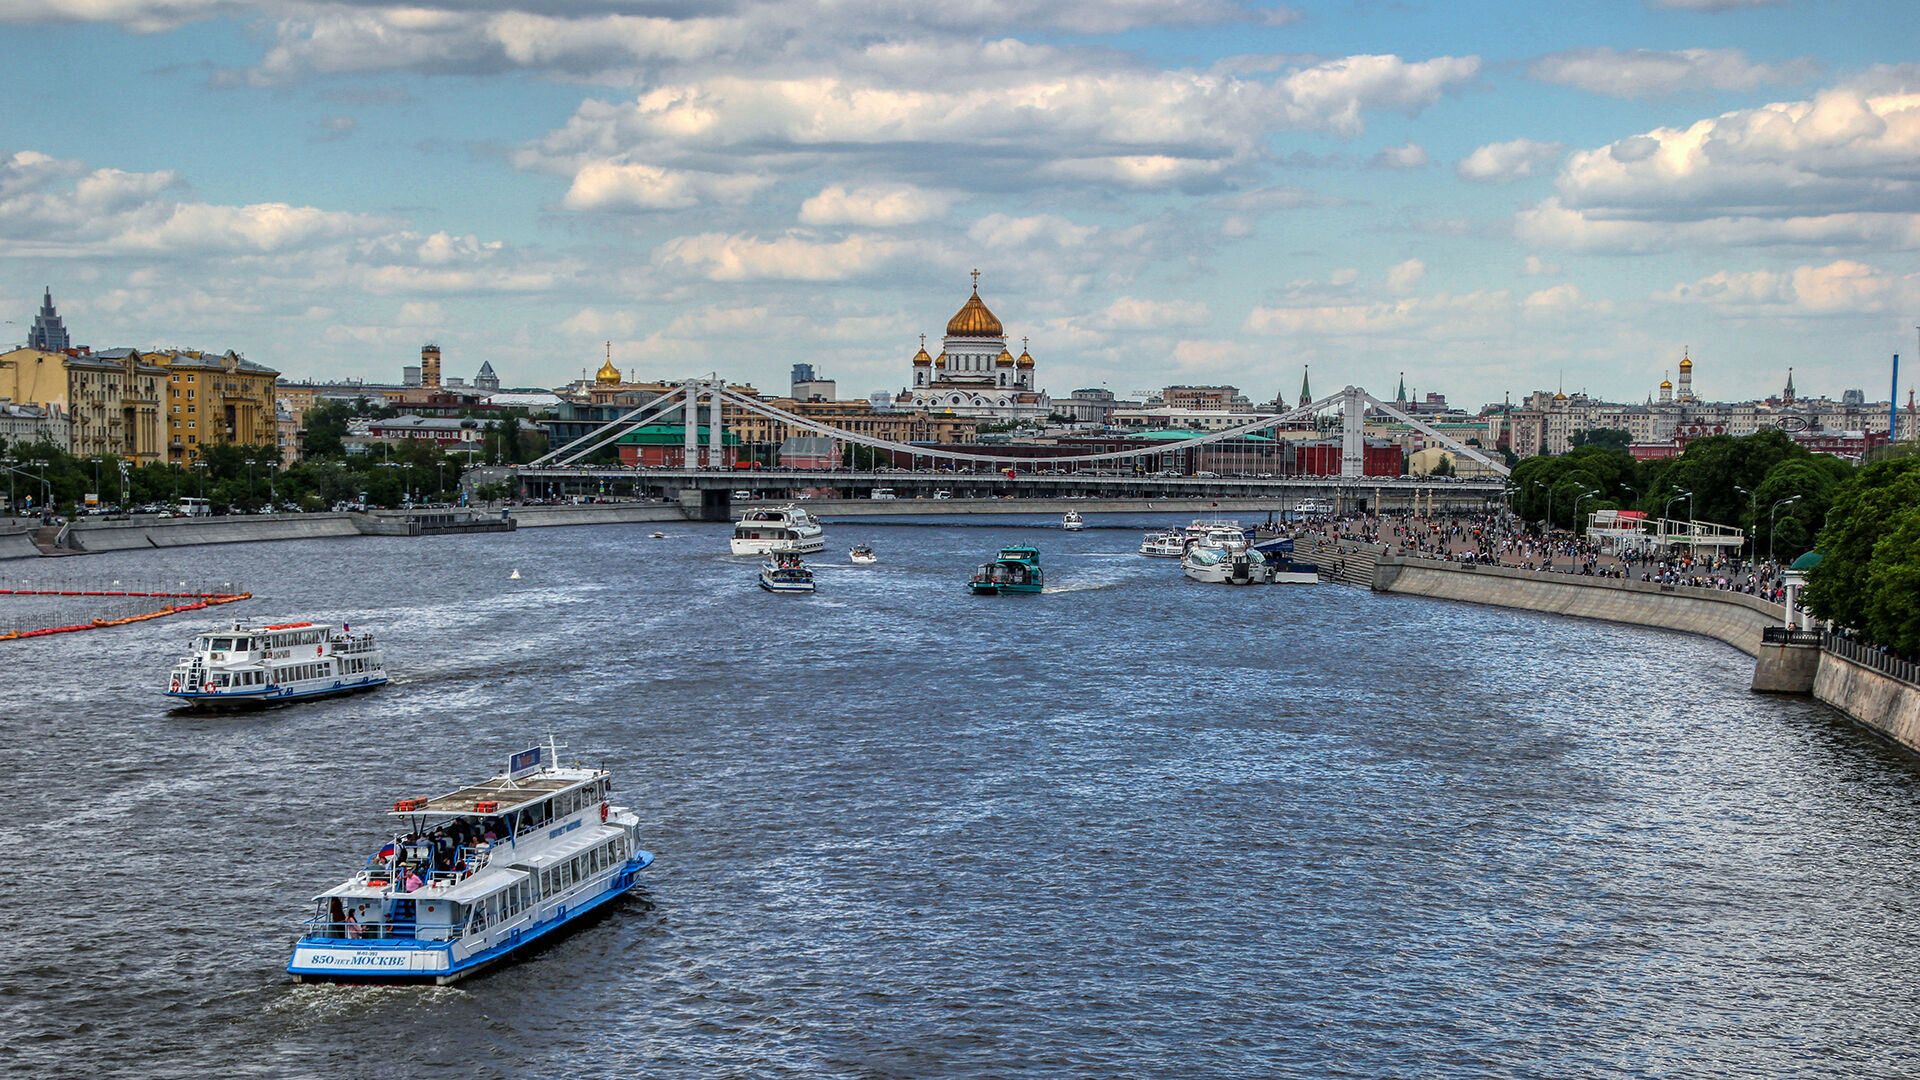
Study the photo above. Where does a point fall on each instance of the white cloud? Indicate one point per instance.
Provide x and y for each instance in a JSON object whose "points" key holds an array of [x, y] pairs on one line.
{"points": [[1400, 157], [610, 185], [1136, 313], [1535, 266], [1501, 163], [794, 257], [1832, 171], [1633, 73], [1406, 277], [1842, 287], [874, 207]]}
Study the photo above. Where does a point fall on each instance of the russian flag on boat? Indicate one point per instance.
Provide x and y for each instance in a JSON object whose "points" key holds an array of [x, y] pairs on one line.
{"points": [[386, 852]]}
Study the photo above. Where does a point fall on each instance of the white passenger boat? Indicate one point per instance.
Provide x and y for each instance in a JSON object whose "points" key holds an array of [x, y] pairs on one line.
{"points": [[862, 555], [1221, 560], [767, 530], [1071, 522], [786, 574], [471, 877], [260, 665], [1167, 544], [1313, 508]]}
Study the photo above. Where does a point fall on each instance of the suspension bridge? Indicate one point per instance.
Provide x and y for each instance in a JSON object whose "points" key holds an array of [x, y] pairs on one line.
{"points": [[1214, 465]]}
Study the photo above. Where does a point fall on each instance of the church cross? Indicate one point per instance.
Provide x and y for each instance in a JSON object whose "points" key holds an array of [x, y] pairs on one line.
{"points": [[976, 280]]}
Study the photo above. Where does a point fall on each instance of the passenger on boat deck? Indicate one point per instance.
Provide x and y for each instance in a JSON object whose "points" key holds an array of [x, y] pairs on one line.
{"points": [[413, 881]]}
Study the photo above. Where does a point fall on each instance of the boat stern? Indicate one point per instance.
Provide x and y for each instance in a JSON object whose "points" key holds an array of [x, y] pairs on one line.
{"points": [[348, 960]]}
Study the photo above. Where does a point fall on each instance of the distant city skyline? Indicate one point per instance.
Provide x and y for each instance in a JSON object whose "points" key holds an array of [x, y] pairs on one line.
{"points": [[1541, 196]]}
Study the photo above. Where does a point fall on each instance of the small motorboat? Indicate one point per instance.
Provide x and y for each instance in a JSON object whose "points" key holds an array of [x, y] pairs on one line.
{"points": [[786, 574], [862, 555], [658, 535], [1071, 522]]}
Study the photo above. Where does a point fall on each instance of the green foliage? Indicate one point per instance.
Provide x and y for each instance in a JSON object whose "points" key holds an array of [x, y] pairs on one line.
{"points": [[1865, 565], [1587, 479], [1608, 438]]}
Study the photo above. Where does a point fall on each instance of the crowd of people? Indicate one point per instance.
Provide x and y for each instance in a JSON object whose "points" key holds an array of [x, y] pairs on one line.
{"points": [[1499, 539]]}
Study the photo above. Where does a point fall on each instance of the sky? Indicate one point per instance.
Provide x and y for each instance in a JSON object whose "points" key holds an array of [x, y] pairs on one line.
{"points": [[1492, 198]]}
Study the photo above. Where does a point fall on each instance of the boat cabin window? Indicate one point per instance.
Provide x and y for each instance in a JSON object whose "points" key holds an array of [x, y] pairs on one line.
{"points": [[222, 644]]}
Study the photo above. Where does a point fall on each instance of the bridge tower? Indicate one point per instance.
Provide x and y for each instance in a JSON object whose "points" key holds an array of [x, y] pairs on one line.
{"points": [[1353, 433]]}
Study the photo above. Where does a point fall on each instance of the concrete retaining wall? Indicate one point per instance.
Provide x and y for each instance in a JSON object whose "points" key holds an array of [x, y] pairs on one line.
{"points": [[181, 532], [18, 544], [1734, 618], [831, 509], [1879, 702]]}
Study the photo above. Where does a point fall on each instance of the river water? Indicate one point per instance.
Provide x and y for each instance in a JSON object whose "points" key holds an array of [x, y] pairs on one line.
{"points": [[1135, 827]]}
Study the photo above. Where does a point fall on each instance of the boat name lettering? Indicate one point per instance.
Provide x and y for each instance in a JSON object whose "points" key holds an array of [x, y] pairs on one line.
{"points": [[360, 959], [555, 834]]}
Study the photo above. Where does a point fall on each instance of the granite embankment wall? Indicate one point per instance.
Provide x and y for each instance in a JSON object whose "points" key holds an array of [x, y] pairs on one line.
{"points": [[99, 535], [831, 509], [17, 544], [1735, 618], [539, 517], [1875, 699]]}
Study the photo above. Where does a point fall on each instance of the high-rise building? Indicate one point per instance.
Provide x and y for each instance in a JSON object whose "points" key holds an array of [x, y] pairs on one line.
{"points": [[486, 381], [430, 365], [49, 333]]}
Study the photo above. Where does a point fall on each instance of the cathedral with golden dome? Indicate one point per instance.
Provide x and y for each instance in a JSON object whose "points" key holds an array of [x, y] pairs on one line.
{"points": [[975, 373]]}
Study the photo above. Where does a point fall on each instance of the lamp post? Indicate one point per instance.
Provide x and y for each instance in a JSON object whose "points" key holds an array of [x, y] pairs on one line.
{"points": [[1576, 507], [200, 470], [1750, 514], [251, 462], [1770, 518], [1677, 496]]}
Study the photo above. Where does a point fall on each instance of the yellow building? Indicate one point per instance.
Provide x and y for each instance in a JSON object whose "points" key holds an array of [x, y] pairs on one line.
{"points": [[34, 377], [215, 398], [115, 399]]}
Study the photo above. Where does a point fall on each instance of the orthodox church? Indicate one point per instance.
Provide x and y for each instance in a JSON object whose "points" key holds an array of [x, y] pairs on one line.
{"points": [[975, 374]]}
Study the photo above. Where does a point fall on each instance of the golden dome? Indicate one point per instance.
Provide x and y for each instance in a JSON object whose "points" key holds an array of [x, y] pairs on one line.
{"points": [[921, 359], [1559, 397], [1666, 384], [1026, 359], [1686, 362], [974, 320], [1005, 359], [609, 375]]}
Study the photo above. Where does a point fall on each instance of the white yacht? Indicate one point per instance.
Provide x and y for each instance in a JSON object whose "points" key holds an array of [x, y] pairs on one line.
{"points": [[471, 877], [1225, 558], [1313, 508], [1167, 544], [260, 665], [769, 530], [1071, 522]]}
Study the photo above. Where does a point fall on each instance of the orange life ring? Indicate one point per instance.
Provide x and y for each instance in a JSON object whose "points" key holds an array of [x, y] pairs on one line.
{"points": [[603, 813], [319, 650], [175, 688]]}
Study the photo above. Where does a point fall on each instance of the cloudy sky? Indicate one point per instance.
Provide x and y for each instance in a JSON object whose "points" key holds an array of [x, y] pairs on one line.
{"points": [[1532, 195]]}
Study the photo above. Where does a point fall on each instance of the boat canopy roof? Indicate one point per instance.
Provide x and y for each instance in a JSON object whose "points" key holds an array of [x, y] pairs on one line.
{"points": [[507, 795]]}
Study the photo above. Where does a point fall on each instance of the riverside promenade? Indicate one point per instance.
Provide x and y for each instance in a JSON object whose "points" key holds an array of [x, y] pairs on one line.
{"points": [[1727, 601]]}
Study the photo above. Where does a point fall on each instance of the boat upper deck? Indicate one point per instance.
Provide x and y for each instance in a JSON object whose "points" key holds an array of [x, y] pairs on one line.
{"points": [[505, 795]]}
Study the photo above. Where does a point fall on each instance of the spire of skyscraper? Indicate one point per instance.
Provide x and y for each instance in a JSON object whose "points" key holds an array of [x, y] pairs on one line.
{"points": [[48, 333]]}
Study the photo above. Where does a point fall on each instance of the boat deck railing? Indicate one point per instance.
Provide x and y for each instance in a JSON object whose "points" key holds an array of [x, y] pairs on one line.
{"points": [[326, 929]]}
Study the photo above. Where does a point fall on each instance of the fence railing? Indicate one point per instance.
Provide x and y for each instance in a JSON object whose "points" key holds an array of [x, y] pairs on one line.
{"points": [[1780, 635], [1869, 655]]}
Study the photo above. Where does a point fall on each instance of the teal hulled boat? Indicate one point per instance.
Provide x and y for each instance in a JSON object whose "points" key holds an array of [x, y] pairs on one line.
{"points": [[1016, 570]]}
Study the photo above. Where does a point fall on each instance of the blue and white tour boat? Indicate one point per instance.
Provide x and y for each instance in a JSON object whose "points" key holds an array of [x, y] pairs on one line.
{"points": [[474, 876], [261, 665], [786, 574]]}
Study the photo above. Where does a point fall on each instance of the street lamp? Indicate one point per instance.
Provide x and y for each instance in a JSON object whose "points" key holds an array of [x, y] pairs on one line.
{"points": [[1576, 507], [1750, 514], [251, 462], [200, 468], [1770, 513]]}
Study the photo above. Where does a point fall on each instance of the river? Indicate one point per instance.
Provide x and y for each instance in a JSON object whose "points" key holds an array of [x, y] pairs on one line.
{"points": [[1135, 827]]}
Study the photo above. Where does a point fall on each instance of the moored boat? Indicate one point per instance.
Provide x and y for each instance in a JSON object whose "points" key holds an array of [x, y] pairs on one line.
{"points": [[1221, 561], [474, 876], [261, 665], [1166, 544], [1015, 570], [785, 573], [768, 530]]}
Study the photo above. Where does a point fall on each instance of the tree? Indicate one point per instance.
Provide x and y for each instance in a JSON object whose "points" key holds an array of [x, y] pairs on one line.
{"points": [[1610, 438], [1874, 505]]}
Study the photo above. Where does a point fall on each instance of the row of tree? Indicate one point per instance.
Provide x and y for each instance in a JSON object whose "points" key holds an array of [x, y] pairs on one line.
{"points": [[1774, 488], [1869, 574]]}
